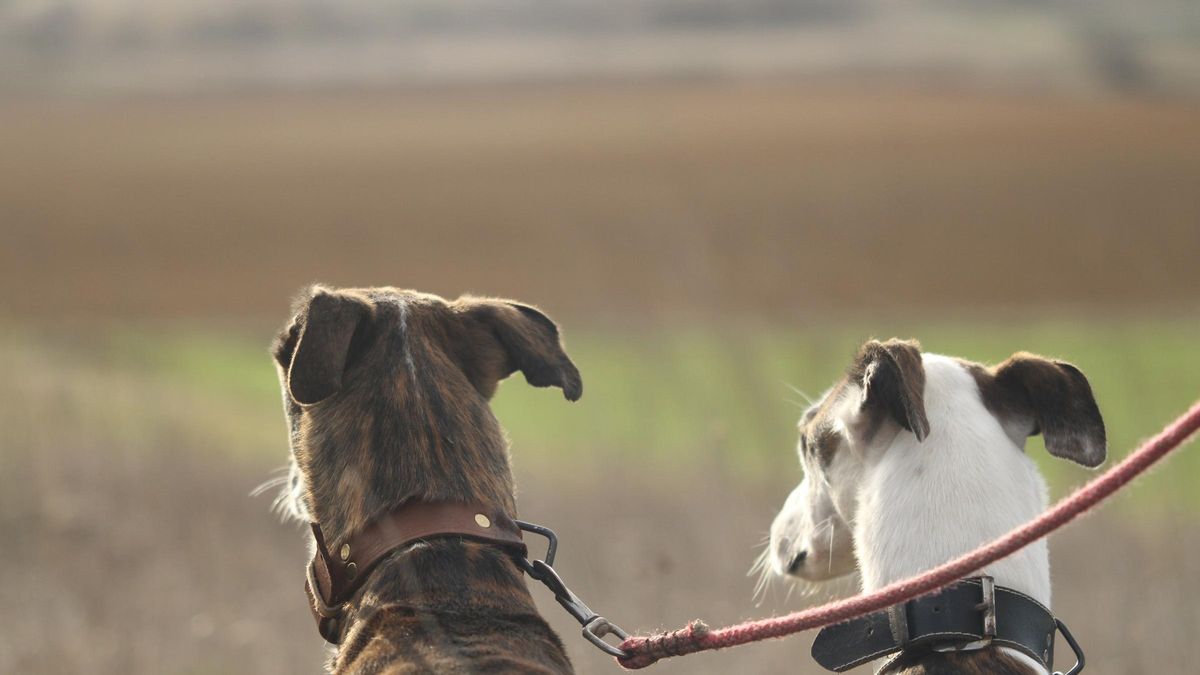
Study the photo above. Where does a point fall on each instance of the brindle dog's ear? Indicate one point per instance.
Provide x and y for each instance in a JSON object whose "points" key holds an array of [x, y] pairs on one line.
{"points": [[892, 378], [324, 335], [509, 336], [1055, 399]]}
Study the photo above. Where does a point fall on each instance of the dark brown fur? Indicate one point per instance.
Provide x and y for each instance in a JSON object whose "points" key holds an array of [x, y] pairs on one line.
{"points": [[892, 380], [983, 662], [1031, 395], [386, 393]]}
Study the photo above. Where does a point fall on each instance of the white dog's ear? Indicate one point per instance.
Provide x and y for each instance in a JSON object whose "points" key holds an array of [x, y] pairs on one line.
{"points": [[1052, 398], [892, 378]]}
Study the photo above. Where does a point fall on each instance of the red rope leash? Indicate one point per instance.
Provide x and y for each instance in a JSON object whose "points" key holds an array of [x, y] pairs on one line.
{"points": [[696, 637]]}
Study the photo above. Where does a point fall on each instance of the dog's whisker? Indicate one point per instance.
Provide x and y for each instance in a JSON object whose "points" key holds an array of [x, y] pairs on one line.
{"points": [[269, 484], [829, 571], [762, 568], [288, 503], [801, 394], [791, 589]]}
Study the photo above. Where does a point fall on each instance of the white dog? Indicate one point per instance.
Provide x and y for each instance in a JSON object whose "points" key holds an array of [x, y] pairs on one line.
{"points": [[913, 459]]}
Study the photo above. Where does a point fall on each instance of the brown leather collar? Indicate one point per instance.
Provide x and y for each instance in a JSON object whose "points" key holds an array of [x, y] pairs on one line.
{"points": [[338, 571]]}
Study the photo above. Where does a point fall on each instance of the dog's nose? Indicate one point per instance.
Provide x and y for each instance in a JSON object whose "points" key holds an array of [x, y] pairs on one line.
{"points": [[797, 562]]}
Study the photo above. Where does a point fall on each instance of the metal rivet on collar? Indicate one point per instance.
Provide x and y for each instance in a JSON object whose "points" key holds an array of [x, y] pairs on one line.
{"points": [[482, 520], [344, 552]]}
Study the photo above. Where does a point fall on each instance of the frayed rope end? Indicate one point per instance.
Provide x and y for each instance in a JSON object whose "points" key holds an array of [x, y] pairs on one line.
{"points": [[646, 650]]}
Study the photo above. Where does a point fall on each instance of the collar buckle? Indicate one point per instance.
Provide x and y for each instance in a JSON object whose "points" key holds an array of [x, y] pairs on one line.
{"points": [[326, 611], [328, 617], [987, 605]]}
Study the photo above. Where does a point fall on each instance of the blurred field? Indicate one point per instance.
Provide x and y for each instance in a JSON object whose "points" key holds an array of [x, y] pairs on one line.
{"points": [[715, 251], [130, 455], [658, 395], [784, 200]]}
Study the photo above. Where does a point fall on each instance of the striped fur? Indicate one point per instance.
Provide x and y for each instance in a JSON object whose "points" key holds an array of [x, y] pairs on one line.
{"points": [[386, 394]]}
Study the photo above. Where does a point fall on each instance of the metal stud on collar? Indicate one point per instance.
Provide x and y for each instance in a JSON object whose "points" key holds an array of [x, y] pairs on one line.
{"points": [[987, 605]]}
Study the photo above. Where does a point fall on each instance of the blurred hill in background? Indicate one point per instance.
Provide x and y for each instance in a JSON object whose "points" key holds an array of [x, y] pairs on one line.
{"points": [[716, 200], [191, 45], [682, 157]]}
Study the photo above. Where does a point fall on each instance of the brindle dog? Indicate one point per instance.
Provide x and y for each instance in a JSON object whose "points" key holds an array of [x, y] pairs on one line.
{"points": [[386, 393]]}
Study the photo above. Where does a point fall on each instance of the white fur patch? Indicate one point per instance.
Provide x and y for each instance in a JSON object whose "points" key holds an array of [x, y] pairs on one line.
{"points": [[914, 505], [923, 503]]}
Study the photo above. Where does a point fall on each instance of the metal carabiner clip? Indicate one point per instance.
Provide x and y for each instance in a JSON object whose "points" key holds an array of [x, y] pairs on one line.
{"points": [[595, 627]]}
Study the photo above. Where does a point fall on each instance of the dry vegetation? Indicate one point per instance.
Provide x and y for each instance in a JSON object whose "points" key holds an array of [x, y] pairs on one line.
{"points": [[119, 563], [753, 197]]}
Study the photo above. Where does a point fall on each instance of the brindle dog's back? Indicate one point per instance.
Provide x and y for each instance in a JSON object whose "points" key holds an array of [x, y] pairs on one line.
{"points": [[386, 393], [486, 625]]}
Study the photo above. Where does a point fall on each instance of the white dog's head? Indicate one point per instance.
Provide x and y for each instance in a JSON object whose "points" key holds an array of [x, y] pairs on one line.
{"points": [[880, 407]]}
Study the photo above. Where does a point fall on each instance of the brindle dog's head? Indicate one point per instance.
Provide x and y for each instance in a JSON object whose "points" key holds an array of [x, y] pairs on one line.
{"points": [[386, 394]]}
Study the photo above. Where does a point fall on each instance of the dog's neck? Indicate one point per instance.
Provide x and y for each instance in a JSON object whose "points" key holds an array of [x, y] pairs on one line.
{"points": [[449, 606], [923, 503], [397, 436], [441, 606]]}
